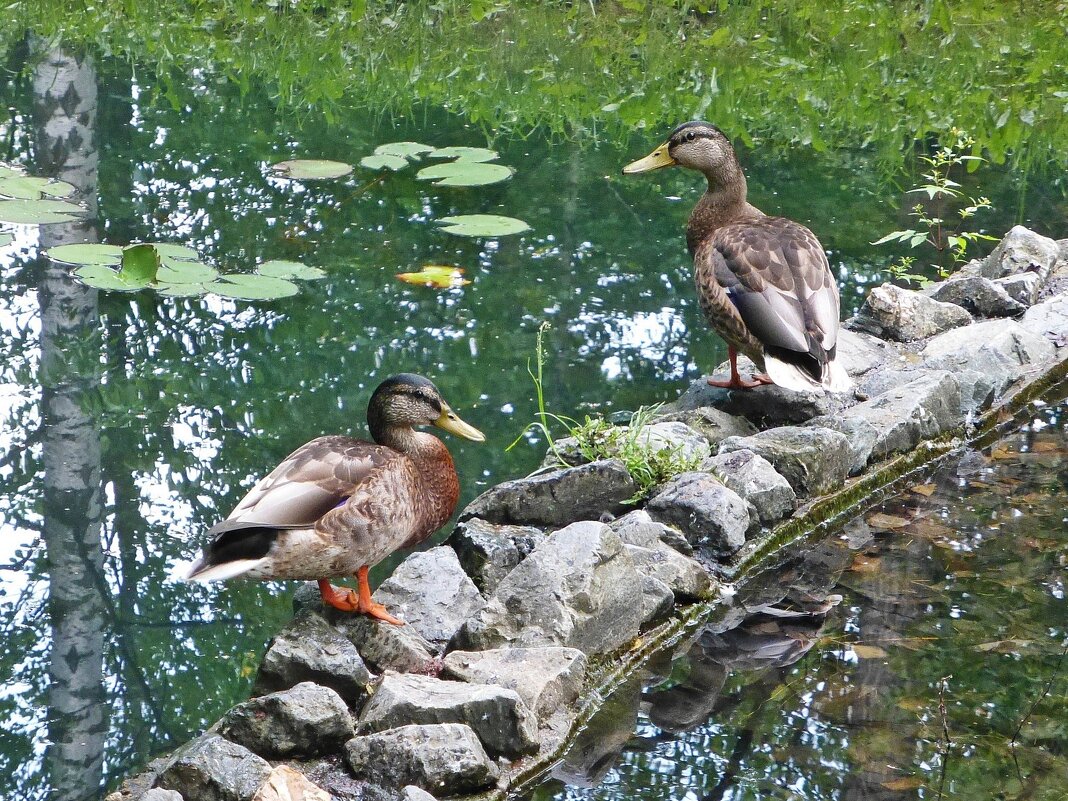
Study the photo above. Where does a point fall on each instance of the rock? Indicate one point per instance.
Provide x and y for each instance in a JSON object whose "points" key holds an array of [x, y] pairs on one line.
{"points": [[547, 679], [557, 498], [658, 602], [305, 720], [488, 552], [895, 313], [978, 295], [767, 493], [1049, 319], [413, 793], [673, 436], [859, 433], [1023, 287], [861, 353], [1021, 251], [765, 405], [638, 528], [711, 423], [814, 460], [997, 351], [310, 649], [503, 723], [214, 769], [713, 518], [446, 759], [387, 647], [573, 590], [685, 577], [159, 794], [431, 593], [287, 784]]}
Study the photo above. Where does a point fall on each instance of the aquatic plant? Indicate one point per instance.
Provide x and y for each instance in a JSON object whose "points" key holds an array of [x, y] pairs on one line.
{"points": [[34, 201]]}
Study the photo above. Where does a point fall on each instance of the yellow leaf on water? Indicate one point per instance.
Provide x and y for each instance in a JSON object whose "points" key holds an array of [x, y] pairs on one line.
{"points": [[926, 490], [439, 276], [904, 783], [885, 522], [868, 651]]}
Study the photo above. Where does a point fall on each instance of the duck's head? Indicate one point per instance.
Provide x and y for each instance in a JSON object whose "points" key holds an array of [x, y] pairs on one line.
{"points": [[406, 401], [697, 145]]}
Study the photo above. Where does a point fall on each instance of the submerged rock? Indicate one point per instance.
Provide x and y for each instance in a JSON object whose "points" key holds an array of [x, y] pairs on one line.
{"points": [[503, 723], [488, 552], [769, 496], [713, 517], [901, 314], [446, 759], [387, 647], [214, 769], [575, 589], [430, 592], [306, 720], [814, 460]]}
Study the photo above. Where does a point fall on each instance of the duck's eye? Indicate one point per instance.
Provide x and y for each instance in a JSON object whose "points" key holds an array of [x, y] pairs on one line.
{"points": [[690, 135]]}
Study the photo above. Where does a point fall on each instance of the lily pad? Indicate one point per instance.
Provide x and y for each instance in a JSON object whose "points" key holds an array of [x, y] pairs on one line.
{"points": [[439, 276], [253, 287], [384, 161], [102, 277], [38, 212], [185, 272], [140, 263], [88, 253], [26, 187], [5, 240], [487, 225], [184, 290], [465, 153], [276, 268], [464, 173], [312, 169], [179, 252], [407, 150]]}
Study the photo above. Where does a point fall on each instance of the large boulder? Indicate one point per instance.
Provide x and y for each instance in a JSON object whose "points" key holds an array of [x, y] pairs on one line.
{"points": [[895, 313], [445, 759], [430, 592], [1020, 251], [713, 517], [547, 679], [979, 295], [488, 552], [684, 577], [503, 723], [859, 353], [765, 405], [387, 647], [814, 460], [310, 649], [305, 720], [769, 496], [558, 497], [574, 589], [212, 768]]}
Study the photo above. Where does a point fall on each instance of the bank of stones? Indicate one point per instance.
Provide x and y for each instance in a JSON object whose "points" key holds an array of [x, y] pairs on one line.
{"points": [[546, 578]]}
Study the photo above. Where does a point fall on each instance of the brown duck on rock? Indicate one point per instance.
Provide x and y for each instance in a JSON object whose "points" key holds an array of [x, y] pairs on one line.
{"points": [[337, 506], [764, 283]]}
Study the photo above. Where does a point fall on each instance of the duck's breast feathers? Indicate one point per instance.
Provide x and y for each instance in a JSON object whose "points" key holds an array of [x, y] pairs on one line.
{"points": [[777, 276], [312, 481]]}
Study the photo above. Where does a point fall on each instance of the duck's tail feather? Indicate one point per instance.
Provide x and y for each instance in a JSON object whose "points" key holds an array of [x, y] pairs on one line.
{"points": [[233, 552], [799, 377]]}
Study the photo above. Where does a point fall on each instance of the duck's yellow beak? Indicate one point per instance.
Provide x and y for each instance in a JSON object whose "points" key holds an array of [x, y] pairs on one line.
{"points": [[654, 161], [451, 422]]}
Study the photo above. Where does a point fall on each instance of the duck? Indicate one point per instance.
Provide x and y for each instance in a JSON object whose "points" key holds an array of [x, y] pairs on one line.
{"points": [[337, 505], [763, 283]]}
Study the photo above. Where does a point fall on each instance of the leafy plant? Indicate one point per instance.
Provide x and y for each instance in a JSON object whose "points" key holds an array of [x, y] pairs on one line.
{"points": [[933, 229]]}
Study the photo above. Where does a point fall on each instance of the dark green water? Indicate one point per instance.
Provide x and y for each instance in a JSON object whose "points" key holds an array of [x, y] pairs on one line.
{"points": [[138, 421]]}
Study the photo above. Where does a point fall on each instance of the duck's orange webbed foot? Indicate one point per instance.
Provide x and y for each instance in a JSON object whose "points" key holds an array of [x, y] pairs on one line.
{"points": [[737, 382], [352, 601]]}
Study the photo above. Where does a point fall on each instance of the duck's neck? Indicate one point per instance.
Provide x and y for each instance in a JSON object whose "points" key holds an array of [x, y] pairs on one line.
{"points": [[433, 462], [722, 203]]}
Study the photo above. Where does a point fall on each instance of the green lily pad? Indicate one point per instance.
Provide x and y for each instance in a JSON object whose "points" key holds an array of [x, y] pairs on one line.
{"points": [[276, 268], [254, 287], [384, 161], [179, 252], [407, 150], [27, 187], [88, 253], [184, 290], [38, 212], [140, 263], [465, 153], [5, 240], [102, 277], [464, 173], [312, 169], [185, 272], [487, 225]]}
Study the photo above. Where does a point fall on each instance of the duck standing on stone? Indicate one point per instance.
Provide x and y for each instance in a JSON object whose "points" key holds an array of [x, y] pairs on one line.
{"points": [[763, 283], [337, 505]]}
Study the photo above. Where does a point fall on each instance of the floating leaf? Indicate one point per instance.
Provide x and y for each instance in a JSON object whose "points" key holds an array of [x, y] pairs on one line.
{"points": [[185, 272], [102, 277], [140, 263], [465, 153], [38, 212], [253, 287], [926, 490], [312, 169], [868, 651], [384, 161], [407, 150], [27, 187], [179, 252], [5, 240], [904, 783], [184, 290], [464, 173], [884, 522], [276, 268], [439, 276], [488, 225], [88, 253]]}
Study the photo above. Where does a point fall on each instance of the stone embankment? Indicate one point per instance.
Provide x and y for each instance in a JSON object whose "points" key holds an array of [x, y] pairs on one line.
{"points": [[547, 580]]}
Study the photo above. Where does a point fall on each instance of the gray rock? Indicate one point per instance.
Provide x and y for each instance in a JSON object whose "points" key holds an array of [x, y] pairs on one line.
{"points": [[387, 647], [573, 590], [288, 784], [638, 528], [768, 494], [976, 390], [895, 313], [997, 351], [978, 295], [1024, 288], [713, 518], [212, 768], [306, 720], [310, 649], [765, 405], [1049, 319], [711, 423], [860, 434], [413, 793], [503, 723], [488, 552], [658, 602], [159, 794], [547, 679], [1021, 251], [431, 593], [685, 577], [814, 460], [673, 436], [446, 759], [558, 497], [860, 353]]}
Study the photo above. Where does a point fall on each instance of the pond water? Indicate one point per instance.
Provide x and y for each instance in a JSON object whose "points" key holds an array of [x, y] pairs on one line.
{"points": [[130, 423]]}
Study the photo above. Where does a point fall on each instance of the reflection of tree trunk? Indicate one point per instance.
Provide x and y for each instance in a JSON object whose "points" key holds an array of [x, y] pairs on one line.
{"points": [[64, 119]]}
